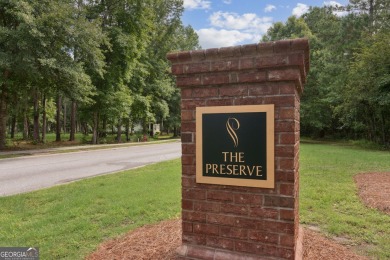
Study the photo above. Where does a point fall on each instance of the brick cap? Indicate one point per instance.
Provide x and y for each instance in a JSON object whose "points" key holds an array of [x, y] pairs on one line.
{"points": [[292, 45]]}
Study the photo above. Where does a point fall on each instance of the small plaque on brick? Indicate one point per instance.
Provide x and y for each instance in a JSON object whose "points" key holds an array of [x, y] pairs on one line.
{"points": [[235, 145]]}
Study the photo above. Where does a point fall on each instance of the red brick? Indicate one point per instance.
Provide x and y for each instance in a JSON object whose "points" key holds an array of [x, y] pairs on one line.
{"points": [[188, 169], [258, 76], [215, 79], [280, 101], [188, 148], [188, 126], [284, 175], [248, 247], [206, 229], [224, 65], [262, 89], [187, 204], [184, 81], [186, 138], [277, 227], [198, 55], [277, 201], [287, 138], [248, 199], [233, 51], [282, 46], [286, 189], [287, 89], [219, 196], [212, 53], [248, 223], [205, 92], [285, 126], [196, 67], [186, 93], [220, 219], [234, 91], [286, 214], [192, 216], [263, 237], [194, 194], [234, 209], [249, 49], [272, 61], [265, 48], [287, 113], [219, 102], [284, 151], [187, 160], [192, 104], [249, 101], [300, 44], [177, 69], [237, 233], [247, 63], [187, 181], [287, 240], [206, 206], [284, 75], [186, 226], [263, 212], [285, 163], [184, 56]]}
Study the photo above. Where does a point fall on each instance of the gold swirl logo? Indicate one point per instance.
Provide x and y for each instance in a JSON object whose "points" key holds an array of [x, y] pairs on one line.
{"points": [[232, 125]]}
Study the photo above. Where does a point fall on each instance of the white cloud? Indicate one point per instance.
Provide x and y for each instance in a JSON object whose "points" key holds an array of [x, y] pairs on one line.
{"points": [[269, 8], [228, 2], [336, 4], [248, 21], [332, 3], [196, 4], [214, 38], [300, 9], [228, 29]]}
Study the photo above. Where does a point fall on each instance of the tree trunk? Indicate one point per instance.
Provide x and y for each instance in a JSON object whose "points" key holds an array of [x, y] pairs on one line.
{"points": [[25, 124], [64, 124], [95, 138], [72, 121], [119, 132], [127, 130], [44, 119], [36, 117], [3, 115], [13, 126], [58, 118]]}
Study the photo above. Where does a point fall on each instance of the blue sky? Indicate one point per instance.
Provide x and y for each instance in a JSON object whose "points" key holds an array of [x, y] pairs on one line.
{"points": [[221, 23]]}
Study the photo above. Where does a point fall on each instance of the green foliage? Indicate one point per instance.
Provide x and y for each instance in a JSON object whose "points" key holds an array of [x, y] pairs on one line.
{"points": [[347, 89]]}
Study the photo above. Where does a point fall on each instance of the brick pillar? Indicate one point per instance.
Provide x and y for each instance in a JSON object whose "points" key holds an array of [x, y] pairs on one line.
{"points": [[232, 222]]}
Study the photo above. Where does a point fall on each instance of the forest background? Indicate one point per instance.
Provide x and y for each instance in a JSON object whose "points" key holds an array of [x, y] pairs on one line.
{"points": [[100, 65]]}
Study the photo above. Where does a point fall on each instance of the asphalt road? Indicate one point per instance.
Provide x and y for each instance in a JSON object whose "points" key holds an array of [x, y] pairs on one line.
{"points": [[24, 174]]}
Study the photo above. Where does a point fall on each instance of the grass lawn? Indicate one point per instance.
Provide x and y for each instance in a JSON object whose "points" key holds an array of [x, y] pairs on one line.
{"points": [[69, 221], [328, 195]]}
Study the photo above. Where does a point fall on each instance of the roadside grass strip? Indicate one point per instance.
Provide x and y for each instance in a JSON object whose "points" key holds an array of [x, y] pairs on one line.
{"points": [[69, 221]]}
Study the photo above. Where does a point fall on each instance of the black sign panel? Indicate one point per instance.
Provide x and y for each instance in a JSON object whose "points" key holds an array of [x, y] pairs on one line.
{"points": [[235, 145]]}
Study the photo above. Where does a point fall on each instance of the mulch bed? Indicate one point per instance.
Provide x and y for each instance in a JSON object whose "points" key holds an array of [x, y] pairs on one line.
{"points": [[160, 241]]}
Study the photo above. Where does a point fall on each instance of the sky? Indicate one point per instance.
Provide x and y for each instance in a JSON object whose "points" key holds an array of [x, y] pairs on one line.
{"points": [[222, 23]]}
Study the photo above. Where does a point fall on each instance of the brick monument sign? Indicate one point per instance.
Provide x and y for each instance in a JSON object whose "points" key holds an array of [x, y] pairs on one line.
{"points": [[240, 149]]}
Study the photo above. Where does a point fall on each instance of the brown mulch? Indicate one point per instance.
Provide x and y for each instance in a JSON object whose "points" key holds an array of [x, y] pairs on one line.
{"points": [[160, 241], [374, 190]]}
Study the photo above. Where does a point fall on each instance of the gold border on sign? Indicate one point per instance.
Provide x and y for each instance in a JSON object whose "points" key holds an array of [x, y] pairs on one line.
{"points": [[269, 110]]}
